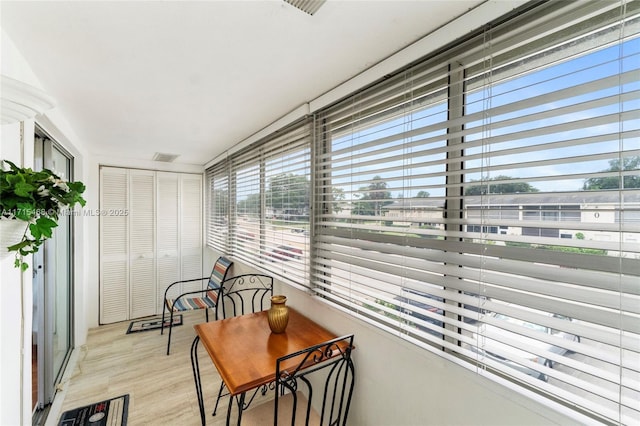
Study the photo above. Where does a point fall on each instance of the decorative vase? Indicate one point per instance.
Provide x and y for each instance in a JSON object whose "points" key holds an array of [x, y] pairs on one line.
{"points": [[278, 314], [11, 232]]}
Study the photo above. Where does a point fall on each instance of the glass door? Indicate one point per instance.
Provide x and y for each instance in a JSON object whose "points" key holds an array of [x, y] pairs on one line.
{"points": [[53, 286]]}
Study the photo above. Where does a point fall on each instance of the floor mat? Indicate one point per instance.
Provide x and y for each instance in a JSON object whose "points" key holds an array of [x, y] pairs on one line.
{"points": [[112, 412], [153, 323]]}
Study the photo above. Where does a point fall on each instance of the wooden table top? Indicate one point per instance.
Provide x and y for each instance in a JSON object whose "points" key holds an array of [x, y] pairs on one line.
{"points": [[244, 350]]}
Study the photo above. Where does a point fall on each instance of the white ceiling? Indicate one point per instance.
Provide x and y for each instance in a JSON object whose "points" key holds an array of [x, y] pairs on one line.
{"points": [[196, 77]]}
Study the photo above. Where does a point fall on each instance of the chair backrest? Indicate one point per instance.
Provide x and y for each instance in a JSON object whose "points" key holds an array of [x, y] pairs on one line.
{"points": [[217, 277], [245, 294], [327, 365]]}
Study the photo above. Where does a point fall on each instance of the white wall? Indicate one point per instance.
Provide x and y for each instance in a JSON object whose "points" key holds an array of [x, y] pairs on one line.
{"points": [[15, 316], [16, 297], [398, 383]]}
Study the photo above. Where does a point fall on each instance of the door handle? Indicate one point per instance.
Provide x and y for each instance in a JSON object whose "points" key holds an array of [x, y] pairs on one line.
{"points": [[35, 270]]}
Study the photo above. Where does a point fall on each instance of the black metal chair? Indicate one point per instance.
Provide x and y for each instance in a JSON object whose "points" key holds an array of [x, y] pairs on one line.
{"points": [[206, 298], [241, 295], [245, 294], [328, 364]]}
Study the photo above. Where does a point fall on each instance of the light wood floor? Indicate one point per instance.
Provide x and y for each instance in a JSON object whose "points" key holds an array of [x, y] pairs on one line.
{"points": [[160, 387]]}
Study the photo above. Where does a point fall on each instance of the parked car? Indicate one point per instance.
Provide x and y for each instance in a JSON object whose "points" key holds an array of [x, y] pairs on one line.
{"points": [[492, 337], [284, 253], [245, 235], [407, 304]]}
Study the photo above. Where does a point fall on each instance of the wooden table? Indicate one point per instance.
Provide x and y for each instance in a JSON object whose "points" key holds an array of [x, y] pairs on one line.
{"points": [[244, 350]]}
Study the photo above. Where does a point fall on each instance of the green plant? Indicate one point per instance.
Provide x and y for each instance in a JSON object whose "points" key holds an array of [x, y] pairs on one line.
{"points": [[37, 198]]}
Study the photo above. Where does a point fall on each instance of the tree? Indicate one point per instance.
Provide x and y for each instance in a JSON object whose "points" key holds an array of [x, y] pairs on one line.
{"points": [[499, 188], [338, 196], [373, 198], [422, 194], [249, 206], [220, 206], [613, 182], [220, 202], [288, 191]]}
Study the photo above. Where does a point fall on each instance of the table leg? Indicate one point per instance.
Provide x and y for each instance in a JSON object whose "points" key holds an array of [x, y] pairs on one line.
{"points": [[240, 407], [195, 366], [240, 402], [215, 409]]}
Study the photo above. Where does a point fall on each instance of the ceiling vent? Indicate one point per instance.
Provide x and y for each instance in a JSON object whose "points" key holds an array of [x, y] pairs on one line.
{"points": [[308, 6], [167, 158]]}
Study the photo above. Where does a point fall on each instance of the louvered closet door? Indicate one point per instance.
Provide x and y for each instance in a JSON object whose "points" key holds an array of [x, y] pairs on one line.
{"points": [[191, 229], [157, 242], [114, 246], [142, 217], [168, 261]]}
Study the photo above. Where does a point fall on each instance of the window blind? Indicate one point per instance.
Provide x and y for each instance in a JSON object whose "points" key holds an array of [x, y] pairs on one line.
{"points": [[483, 204], [270, 205], [218, 198]]}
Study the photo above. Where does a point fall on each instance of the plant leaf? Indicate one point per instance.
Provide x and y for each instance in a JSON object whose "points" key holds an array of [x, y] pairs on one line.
{"points": [[24, 189], [25, 211], [35, 230], [42, 229]]}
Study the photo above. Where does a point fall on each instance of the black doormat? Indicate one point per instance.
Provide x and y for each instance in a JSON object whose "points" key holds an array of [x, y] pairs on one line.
{"points": [[112, 412], [152, 323]]}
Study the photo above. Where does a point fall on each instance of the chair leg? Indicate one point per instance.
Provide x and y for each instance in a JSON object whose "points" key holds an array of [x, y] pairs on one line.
{"points": [[170, 328], [195, 366], [218, 399], [240, 401], [164, 308]]}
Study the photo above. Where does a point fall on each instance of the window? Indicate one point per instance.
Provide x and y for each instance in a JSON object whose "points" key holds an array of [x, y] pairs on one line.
{"points": [[262, 202], [482, 204], [287, 203], [426, 181]]}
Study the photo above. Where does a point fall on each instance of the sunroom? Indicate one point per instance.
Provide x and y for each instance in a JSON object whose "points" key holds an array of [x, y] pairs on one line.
{"points": [[467, 204]]}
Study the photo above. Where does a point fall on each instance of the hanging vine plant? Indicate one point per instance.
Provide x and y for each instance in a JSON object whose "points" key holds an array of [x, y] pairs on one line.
{"points": [[36, 200]]}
